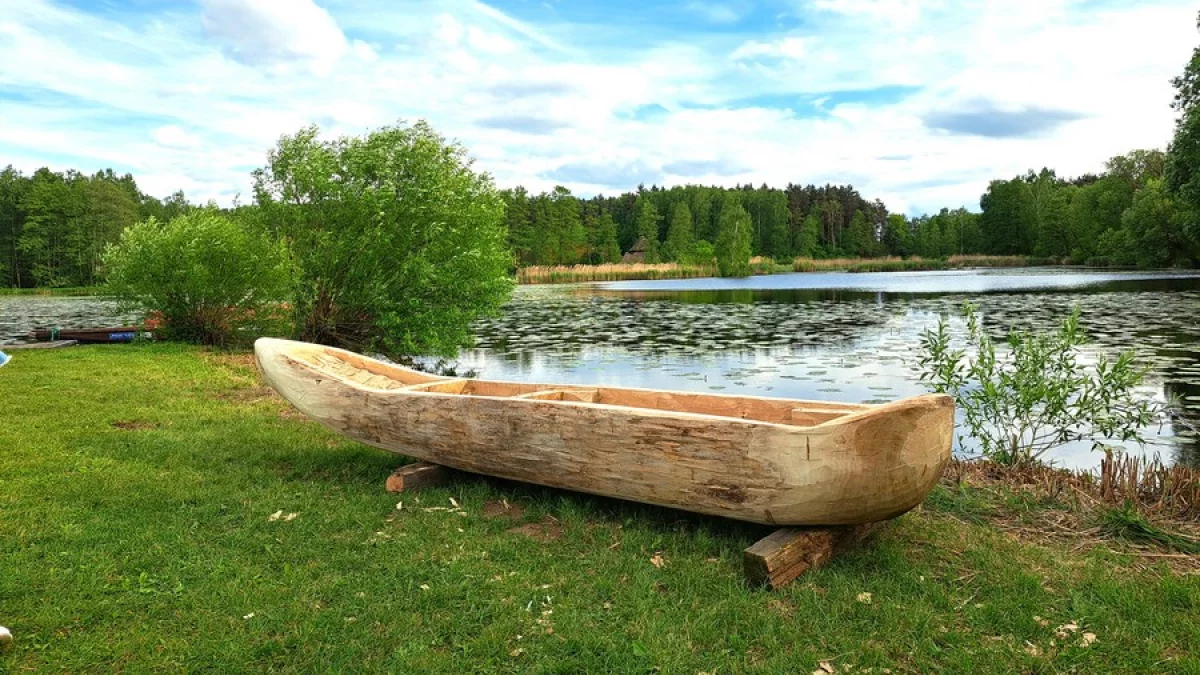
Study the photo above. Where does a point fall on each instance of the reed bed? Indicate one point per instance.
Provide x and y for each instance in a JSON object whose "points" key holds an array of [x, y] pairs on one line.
{"points": [[958, 261], [567, 274], [888, 264], [915, 263], [1147, 486]]}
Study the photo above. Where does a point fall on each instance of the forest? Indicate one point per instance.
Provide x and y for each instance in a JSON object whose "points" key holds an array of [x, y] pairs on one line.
{"points": [[1121, 217], [54, 226]]}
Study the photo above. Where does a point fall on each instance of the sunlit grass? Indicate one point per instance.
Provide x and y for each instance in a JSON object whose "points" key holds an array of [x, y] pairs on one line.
{"points": [[138, 485]]}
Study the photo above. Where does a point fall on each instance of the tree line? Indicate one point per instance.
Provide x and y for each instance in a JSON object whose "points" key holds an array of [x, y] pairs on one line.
{"points": [[1125, 216], [55, 225]]}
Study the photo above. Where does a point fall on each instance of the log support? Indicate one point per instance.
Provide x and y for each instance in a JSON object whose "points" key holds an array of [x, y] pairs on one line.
{"points": [[779, 558], [416, 476]]}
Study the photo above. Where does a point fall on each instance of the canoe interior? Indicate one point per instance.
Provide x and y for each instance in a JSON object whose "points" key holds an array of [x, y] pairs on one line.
{"points": [[378, 375]]}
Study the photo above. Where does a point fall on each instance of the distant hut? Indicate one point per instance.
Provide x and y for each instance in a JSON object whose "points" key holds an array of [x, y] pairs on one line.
{"points": [[637, 254]]}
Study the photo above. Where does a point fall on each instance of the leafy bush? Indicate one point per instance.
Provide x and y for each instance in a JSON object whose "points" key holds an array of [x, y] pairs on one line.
{"points": [[207, 278], [700, 252], [399, 244], [1037, 395]]}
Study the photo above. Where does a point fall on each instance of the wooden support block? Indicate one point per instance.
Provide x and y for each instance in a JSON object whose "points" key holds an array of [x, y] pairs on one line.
{"points": [[417, 476], [779, 558]]}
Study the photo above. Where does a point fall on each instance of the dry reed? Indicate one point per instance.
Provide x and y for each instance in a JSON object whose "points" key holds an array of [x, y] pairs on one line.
{"points": [[566, 274], [1146, 485]]}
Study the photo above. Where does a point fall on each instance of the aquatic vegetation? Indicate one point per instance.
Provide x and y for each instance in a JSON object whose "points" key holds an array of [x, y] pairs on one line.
{"points": [[1036, 394]]}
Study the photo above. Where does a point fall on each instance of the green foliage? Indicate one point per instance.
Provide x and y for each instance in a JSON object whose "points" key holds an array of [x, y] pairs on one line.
{"points": [[1183, 157], [54, 226], [680, 234], [399, 244], [1155, 227], [808, 237], [897, 236], [647, 229], [209, 279], [700, 252], [1008, 217], [733, 240], [1035, 394], [1116, 248], [860, 238], [604, 240]]}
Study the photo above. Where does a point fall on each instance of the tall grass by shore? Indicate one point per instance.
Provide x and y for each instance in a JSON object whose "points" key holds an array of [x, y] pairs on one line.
{"points": [[567, 274], [915, 263]]}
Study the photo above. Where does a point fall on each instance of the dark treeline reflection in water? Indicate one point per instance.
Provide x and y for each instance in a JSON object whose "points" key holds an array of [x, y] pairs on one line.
{"points": [[838, 343]]}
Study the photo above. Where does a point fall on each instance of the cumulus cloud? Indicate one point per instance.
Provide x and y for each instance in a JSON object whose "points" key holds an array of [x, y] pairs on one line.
{"points": [[917, 103], [788, 47], [526, 124], [271, 33], [620, 176], [984, 118]]}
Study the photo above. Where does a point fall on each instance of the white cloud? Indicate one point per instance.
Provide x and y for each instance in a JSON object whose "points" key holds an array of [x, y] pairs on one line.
{"points": [[919, 104], [895, 12], [788, 47], [273, 33], [715, 12], [171, 136], [448, 30]]}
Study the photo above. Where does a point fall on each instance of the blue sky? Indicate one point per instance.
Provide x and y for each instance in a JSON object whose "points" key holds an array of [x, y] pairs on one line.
{"points": [[916, 102]]}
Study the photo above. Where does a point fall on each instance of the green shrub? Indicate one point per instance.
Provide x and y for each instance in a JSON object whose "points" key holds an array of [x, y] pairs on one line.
{"points": [[203, 276], [1036, 395], [399, 244], [700, 252]]}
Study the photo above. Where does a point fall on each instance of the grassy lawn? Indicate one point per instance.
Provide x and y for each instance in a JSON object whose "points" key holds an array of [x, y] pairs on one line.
{"points": [[147, 495]]}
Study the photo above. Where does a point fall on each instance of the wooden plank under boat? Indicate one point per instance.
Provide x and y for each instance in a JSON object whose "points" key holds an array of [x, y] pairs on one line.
{"points": [[90, 335], [765, 460]]}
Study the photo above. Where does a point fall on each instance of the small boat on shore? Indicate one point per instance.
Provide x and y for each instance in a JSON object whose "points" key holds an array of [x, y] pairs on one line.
{"points": [[764, 460], [89, 335]]}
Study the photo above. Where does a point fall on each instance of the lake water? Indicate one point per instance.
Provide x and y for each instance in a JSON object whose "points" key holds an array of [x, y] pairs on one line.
{"points": [[21, 314], [838, 337]]}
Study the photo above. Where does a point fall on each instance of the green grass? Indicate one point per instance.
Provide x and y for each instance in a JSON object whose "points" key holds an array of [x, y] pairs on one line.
{"points": [[137, 485]]}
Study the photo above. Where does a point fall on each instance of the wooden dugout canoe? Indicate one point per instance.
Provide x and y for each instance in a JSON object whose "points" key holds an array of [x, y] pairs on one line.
{"points": [[765, 460]]}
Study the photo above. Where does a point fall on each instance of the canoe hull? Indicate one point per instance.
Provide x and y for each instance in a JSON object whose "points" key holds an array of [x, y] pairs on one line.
{"points": [[869, 465]]}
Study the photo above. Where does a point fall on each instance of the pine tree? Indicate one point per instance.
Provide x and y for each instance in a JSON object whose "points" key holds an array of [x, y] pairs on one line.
{"points": [[647, 229], [808, 237], [680, 235], [604, 242]]}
